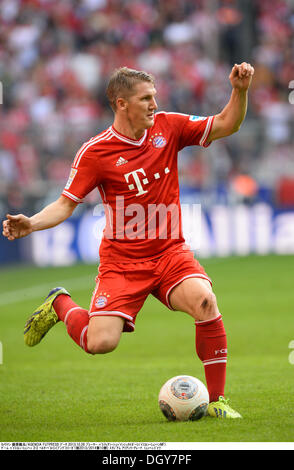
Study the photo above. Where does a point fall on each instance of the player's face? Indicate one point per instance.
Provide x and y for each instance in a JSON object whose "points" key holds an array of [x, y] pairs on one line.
{"points": [[142, 105]]}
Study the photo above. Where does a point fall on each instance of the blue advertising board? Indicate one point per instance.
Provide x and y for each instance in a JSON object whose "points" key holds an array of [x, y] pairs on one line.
{"points": [[219, 231]]}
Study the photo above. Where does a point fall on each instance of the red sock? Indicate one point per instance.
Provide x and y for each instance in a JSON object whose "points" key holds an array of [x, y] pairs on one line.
{"points": [[75, 318], [211, 347]]}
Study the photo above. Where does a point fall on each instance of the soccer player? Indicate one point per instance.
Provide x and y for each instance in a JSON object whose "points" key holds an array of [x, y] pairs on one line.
{"points": [[133, 164]]}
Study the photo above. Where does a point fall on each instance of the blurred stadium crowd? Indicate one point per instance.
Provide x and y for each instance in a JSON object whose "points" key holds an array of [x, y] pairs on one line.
{"points": [[55, 60]]}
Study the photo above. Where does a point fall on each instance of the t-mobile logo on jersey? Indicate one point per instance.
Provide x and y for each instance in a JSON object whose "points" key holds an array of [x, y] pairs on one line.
{"points": [[139, 182]]}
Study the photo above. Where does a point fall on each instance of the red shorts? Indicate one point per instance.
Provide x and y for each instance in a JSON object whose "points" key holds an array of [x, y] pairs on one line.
{"points": [[122, 288]]}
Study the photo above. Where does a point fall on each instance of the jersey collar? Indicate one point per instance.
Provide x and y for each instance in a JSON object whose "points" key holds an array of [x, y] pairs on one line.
{"points": [[127, 139]]}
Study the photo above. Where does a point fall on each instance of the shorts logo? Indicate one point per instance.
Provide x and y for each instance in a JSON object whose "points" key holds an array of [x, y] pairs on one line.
{"points": [[102, 300], [158, 141]]}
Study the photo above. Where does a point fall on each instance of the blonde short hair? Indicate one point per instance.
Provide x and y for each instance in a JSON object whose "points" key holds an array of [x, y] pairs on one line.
{"points": [[122, 81]]}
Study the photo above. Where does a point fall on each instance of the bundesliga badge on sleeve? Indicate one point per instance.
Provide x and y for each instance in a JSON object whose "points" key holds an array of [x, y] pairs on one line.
{"points": [[197, 118]]}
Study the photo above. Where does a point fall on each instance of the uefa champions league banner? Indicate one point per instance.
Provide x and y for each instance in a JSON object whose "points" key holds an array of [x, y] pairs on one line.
{"points": [[220, 231]]}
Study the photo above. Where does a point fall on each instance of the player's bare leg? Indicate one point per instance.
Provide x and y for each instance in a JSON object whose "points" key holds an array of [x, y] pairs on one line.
{"points": [[104, 333], [195, 297]]}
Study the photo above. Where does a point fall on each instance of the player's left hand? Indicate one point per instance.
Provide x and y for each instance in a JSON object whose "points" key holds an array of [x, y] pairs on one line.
{"points": [[241, 76]]}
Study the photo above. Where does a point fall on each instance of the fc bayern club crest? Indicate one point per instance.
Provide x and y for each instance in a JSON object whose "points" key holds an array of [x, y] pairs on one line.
{"points": [[101, 300], [158, 141]]}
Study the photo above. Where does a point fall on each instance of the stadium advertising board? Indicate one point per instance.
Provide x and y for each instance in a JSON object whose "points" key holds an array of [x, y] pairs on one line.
{"points": [[220, 231]]}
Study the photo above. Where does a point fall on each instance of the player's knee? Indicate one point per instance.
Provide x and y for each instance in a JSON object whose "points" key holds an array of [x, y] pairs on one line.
{"points": [[101, 345], [206, 308]]}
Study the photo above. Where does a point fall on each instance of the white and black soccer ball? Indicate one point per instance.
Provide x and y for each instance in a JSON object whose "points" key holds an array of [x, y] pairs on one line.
{"points": [[183, 398]]}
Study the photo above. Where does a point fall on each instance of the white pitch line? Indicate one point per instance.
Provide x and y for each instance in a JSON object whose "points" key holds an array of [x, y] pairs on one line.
{"points": [[42, 290]]}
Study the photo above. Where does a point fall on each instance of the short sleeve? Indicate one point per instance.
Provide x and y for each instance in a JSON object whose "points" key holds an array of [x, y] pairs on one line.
{"points": [[192, 130], [85, 174]]}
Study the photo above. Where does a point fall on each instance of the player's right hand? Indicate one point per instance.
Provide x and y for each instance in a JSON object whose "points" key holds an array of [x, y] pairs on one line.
{"points": [[16, 226]]}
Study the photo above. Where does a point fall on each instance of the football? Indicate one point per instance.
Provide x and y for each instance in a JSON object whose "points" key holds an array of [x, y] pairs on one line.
{"points": [[183, 398]]}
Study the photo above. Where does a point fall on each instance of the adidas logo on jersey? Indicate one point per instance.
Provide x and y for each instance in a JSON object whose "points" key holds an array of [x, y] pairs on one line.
{"points": [[121, 161]]}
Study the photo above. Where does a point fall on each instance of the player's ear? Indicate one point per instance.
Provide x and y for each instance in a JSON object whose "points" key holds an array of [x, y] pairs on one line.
{"points": [[121, 104]]}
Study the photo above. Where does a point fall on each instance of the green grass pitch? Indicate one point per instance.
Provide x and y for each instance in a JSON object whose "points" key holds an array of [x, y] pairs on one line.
{"points": [[55, 392]]}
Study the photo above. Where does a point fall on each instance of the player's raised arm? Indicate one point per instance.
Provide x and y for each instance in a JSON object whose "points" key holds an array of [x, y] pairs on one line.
{"points": [[18, 226], [233, 114]]}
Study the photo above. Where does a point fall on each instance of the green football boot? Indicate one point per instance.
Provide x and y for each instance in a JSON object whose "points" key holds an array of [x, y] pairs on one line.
{"points": [[221, 409], [40, 322]]}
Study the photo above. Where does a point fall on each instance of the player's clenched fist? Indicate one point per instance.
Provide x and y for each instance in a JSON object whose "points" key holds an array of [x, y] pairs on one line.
{"points": [[16, 226], [241, 76]]}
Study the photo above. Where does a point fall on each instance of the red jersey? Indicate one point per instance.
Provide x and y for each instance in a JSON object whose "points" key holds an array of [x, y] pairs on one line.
{"points": [[138, 184]]}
